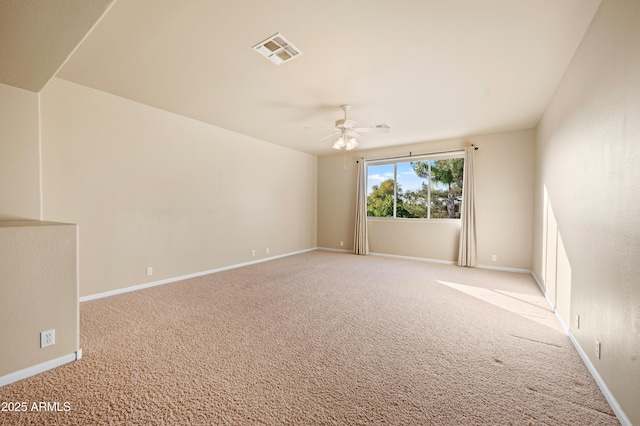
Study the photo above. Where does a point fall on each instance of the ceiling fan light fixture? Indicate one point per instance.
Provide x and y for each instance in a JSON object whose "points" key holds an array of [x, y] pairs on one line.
{"points": [[351, 144], [339, 143]]}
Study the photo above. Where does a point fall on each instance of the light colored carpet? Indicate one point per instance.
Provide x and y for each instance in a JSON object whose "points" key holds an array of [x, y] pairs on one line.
{"points": [[323, 338]]}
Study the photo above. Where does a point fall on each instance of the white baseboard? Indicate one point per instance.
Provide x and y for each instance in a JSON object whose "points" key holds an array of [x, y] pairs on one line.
{"points": [[613, 402], [336, 250], [185, 277], [419, 259], [544, 293], [622, 417], [504, 268], [426, 259], [40, 368]]}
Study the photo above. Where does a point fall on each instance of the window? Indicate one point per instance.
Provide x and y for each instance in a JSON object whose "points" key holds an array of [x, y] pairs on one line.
{"points": [[423, 188]]}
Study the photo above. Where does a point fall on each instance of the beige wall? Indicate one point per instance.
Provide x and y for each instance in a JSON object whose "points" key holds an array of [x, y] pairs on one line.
{"points": [[504, 200], [151, 188], [587, 159], [39, 289], [19, 154]]}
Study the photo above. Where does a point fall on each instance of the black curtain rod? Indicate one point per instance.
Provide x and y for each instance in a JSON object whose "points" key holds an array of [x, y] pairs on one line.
{"points": [[419, 155]]}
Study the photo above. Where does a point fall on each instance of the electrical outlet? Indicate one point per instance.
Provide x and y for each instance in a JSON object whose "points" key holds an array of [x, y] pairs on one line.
{"points": [[253, 252], [149, 271], [47, 338], [341, 243], [598, 349], [267, 250], [577, 321], [494, 257]]}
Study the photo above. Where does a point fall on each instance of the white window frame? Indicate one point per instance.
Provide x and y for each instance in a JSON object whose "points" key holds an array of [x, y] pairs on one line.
{"points": [[412, 158]]}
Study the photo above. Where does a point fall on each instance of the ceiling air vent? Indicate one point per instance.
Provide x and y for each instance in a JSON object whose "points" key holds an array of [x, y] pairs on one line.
{"points": [[277, 49]]}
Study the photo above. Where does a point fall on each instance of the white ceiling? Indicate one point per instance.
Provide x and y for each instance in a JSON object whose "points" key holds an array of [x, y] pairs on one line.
{"points": [[432, 69]]}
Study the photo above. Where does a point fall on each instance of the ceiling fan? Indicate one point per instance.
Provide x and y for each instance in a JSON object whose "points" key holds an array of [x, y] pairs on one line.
{"points": [[347, 131]]}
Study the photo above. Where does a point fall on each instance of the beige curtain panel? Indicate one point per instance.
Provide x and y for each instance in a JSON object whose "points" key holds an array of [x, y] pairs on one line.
{"points": [[361, 237], [467, 253]]}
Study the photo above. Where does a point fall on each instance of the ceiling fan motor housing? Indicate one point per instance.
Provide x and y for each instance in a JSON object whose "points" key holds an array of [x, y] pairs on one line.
{"points": [[345, 123]]}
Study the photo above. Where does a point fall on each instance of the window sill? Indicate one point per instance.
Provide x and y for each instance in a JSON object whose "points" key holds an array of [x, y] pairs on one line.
{"points": [[406, 219]]}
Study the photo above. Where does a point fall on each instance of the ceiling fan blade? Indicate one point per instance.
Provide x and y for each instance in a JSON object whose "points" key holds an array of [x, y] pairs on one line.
{"points": [[378, 128], [328, 136]]}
